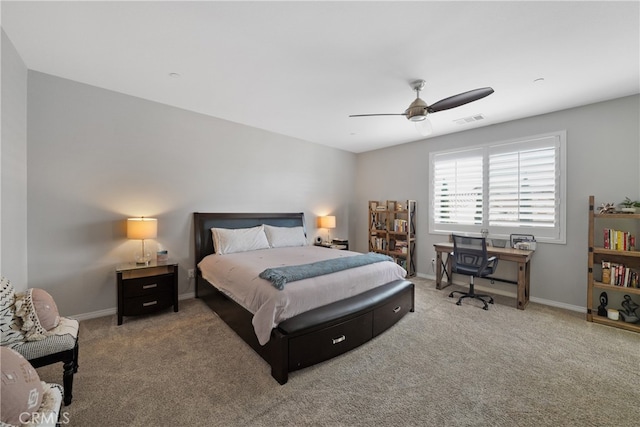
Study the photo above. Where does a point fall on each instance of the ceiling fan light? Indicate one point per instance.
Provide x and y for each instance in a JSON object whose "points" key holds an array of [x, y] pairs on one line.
{"points": [[424, 127], [418, 118]]}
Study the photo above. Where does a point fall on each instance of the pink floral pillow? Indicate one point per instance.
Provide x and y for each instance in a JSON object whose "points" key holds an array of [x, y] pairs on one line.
{"points": [[39, 313]]}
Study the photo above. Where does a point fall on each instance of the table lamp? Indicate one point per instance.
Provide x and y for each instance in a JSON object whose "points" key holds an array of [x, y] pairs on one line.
{"points": [[327, 222], [141, 229]]}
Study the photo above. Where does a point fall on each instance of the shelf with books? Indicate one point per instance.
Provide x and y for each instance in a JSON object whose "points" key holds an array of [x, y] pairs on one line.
{"points": [[392, 231], [613, 268]]}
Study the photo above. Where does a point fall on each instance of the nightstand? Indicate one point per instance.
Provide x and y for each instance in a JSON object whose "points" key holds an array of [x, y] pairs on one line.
{"points": [[144, 289], [339, 244]]}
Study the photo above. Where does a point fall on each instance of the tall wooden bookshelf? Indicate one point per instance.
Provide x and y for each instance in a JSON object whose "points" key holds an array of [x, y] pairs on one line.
{"points": [[392, 231], [599, 252]]}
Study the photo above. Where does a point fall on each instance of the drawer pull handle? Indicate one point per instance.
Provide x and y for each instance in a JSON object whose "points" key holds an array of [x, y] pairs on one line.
{"points": [[147, 304], [155, 285], [397, 309], [339, 339]]}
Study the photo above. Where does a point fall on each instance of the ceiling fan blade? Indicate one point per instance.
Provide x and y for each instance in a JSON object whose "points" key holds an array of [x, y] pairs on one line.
{"points": [[460, 99], [382, 114]]}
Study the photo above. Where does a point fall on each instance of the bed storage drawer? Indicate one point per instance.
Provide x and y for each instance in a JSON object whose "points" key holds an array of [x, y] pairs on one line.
{"points": [[388, 314], [309, 349]]}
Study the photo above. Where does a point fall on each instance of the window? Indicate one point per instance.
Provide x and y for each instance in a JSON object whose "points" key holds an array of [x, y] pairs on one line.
{"points": [[508, 187]]}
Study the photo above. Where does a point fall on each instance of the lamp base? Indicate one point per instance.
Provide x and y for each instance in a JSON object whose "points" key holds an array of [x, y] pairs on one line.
{"points": [[143, 259]]}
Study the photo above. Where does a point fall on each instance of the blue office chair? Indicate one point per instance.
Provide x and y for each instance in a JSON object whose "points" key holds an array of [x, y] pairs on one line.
{"points": [[470, 258]]}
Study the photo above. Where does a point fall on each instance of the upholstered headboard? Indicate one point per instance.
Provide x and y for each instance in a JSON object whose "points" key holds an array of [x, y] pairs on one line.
{"points": [[204, 222]]}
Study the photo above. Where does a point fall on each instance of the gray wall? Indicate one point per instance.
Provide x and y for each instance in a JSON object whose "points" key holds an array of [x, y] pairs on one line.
{"points": [[603, 143], [13, 167], [96, 157]]}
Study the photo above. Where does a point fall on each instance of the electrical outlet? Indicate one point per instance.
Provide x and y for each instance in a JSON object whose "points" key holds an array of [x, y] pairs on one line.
{"points": [[191, 272]]}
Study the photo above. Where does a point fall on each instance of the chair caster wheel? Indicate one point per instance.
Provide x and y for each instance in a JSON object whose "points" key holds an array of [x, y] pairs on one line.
{"points": [[459, 303], [451, 295], [486, 308], [491, 302]]}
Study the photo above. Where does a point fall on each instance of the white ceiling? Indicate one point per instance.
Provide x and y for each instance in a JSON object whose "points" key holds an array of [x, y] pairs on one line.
{"points": [[300, 68]]}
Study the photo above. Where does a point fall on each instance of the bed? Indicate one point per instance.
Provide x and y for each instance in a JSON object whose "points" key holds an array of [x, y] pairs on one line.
{"points": [[305, 336]]}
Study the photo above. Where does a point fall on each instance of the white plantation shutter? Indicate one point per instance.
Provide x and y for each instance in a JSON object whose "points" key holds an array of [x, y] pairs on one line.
{"points": [[522, 185], [514, 187], [458, 188]]}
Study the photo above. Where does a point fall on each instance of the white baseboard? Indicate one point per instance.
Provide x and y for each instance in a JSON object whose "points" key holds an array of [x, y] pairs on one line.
{"points": [[114, 310]]}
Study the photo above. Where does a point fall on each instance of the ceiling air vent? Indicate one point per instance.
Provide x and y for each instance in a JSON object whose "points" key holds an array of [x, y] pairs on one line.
{"points": [[465, 120]]}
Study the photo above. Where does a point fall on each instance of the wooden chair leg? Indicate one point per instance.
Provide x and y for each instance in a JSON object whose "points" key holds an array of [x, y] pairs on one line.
{"points": [[75, 358], [67, 381]]}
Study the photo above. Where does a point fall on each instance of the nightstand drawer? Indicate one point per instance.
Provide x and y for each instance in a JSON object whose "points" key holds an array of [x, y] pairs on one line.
{"points": [[148, 285], [147, 303]]}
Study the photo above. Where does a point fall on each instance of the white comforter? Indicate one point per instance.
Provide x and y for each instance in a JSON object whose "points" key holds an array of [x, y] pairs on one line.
{"points": [[237, 276]]}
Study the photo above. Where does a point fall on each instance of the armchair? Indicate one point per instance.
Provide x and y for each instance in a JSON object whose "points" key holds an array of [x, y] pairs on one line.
{"points": [[470, 258], [30, 325]]}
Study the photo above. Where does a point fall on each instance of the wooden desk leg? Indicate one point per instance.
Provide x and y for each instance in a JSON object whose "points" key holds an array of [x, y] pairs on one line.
{"points": [[523, 285], [439, 271]]}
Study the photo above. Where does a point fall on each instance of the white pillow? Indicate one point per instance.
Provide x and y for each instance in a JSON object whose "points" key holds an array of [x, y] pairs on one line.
{"points": [[228, 240], [280, 237]]}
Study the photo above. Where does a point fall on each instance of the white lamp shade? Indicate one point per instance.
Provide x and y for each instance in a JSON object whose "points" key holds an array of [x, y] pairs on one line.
{"points": [[142, 228], [327, 221]]}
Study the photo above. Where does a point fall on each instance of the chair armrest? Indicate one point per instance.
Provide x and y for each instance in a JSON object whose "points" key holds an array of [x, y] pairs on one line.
{"points": [[492, 262]]}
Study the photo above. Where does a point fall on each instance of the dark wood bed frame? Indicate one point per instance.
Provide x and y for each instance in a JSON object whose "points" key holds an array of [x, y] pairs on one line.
{"points": [[310, 337]]}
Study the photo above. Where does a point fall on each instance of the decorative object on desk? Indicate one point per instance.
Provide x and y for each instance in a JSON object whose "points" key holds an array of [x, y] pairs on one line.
{"points": [[499, 243], [607, 208], [327, 222], [628, 311], [141, 229], [528, 239], [602, 308]]}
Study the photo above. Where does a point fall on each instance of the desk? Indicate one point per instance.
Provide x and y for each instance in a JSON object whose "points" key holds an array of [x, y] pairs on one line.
{"points": [[521, 257]]}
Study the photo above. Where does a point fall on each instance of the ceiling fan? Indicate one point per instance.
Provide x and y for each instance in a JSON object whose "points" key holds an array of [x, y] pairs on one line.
{"points": [[418, 111]]}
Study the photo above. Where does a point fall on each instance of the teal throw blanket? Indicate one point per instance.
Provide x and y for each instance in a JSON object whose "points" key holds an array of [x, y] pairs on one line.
{"points": [[279, 276]]}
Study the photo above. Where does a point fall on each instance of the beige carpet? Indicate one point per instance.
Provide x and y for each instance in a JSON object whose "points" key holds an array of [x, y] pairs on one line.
{"points": [[444, 365]]}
